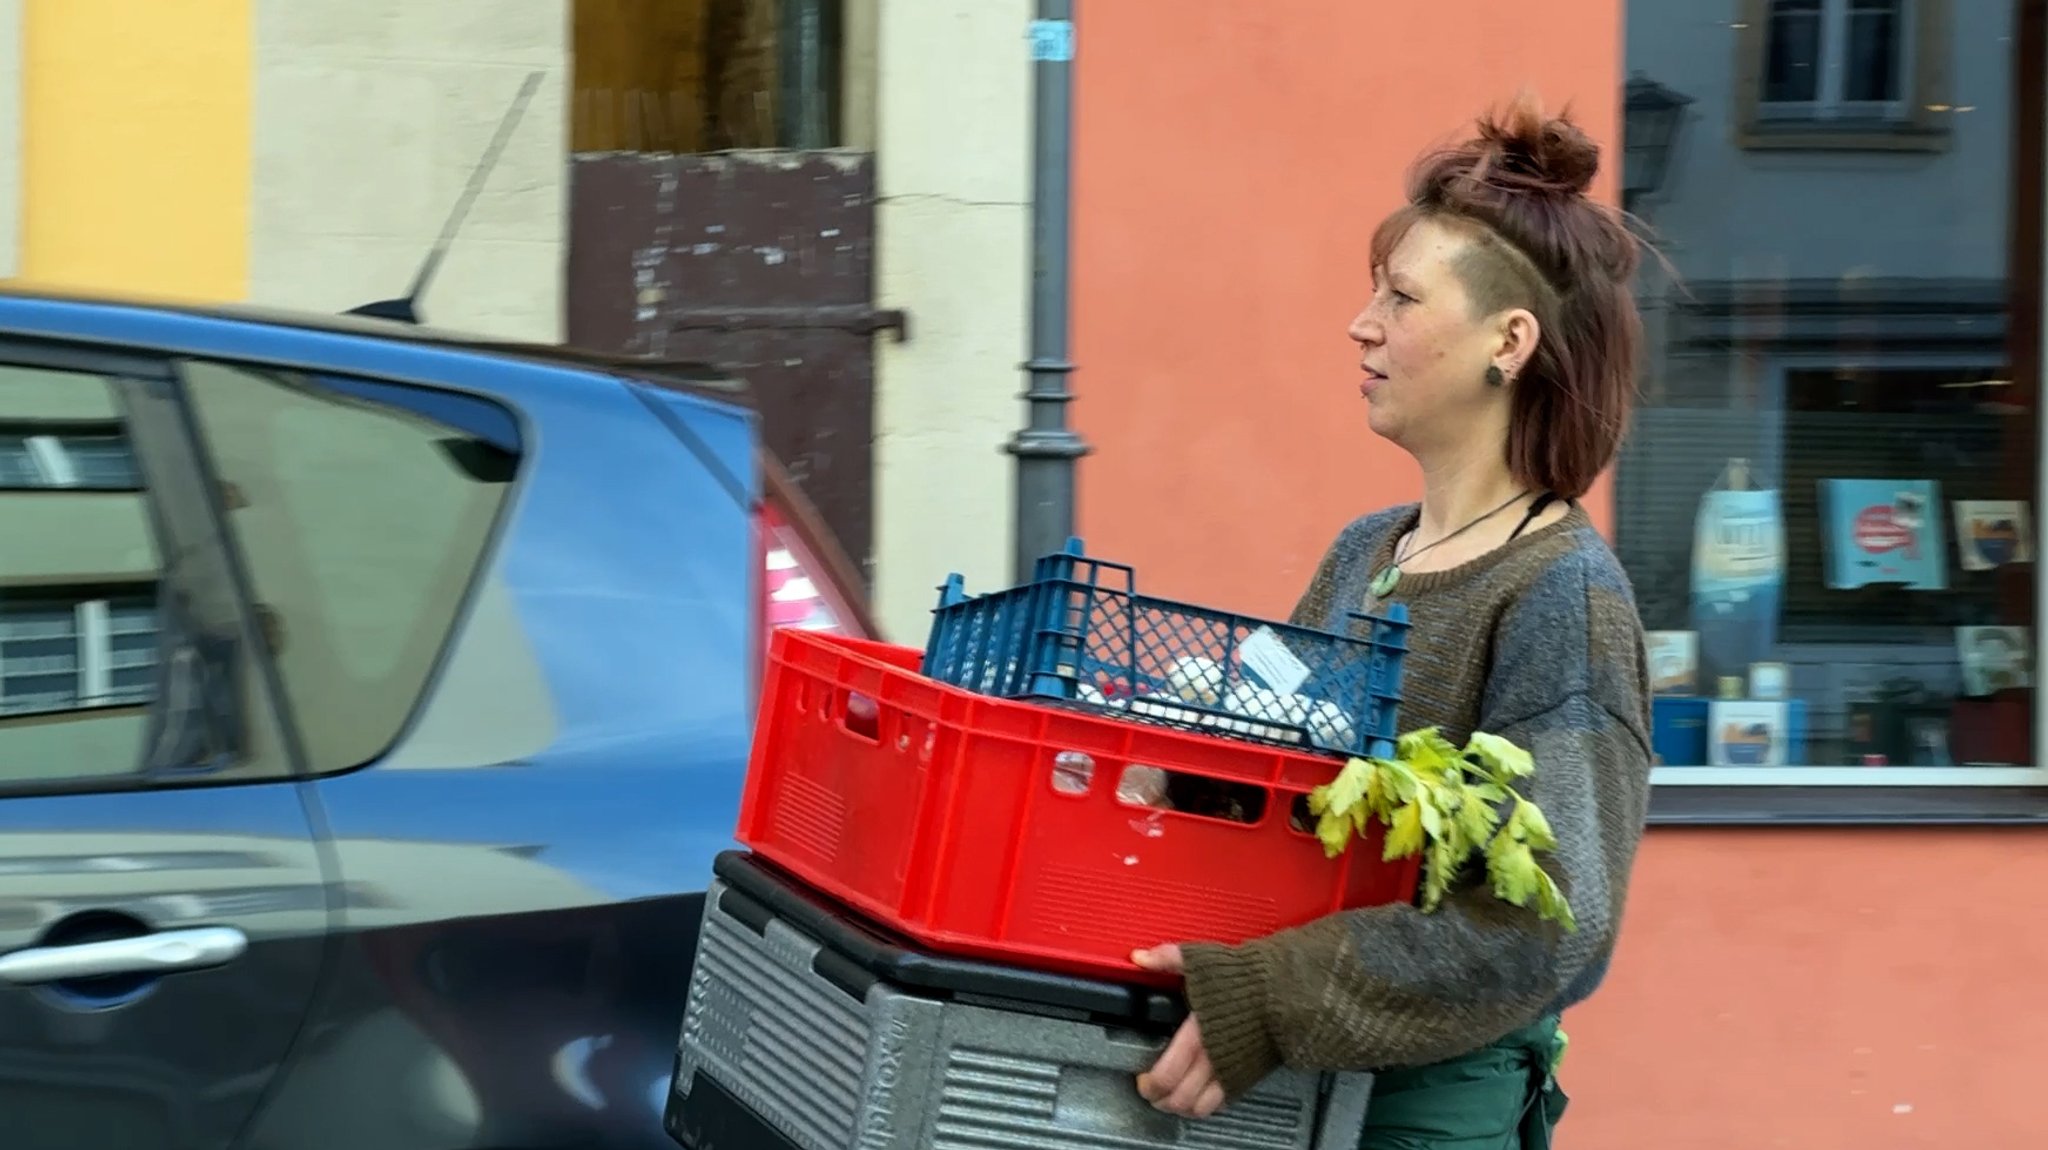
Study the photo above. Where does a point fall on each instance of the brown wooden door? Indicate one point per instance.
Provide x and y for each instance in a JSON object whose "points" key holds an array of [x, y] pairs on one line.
{"points": [[762, 264]]}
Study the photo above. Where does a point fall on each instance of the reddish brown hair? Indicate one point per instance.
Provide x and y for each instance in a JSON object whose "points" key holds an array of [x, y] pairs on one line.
{"points": [[1519, 188]]}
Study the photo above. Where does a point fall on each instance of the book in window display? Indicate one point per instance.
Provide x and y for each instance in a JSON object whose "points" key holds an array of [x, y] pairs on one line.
{"points": [[1929, 736], [1747, 733], [1883, 532], [1770, 681], [1993, 659], [1991, 533], [1866, 733], [1738, 573], [1674, 659]]}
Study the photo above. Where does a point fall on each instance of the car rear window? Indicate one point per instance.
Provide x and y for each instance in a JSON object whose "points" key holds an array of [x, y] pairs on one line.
{"points": [[363, 511]]}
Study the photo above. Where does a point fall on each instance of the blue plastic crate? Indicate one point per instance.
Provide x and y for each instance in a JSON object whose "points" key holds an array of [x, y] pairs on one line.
{"points": [[1079, 633]]}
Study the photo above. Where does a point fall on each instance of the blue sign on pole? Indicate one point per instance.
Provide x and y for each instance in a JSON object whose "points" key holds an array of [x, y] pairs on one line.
{"points": [[1052, 40]]}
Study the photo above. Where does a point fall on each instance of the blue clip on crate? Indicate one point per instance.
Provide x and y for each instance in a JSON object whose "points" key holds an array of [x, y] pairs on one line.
{"points": [[1079, 633]]}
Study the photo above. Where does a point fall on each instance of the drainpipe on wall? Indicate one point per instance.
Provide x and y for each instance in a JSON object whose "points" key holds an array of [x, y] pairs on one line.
{"points": [[1046, 449]]}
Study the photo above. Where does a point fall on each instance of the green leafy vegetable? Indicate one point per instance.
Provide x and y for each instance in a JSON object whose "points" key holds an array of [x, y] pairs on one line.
{"points": [[1444, 802]]}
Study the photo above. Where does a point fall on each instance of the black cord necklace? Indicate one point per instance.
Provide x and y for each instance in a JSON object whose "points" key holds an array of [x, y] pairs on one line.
{"points": [[1389, 576]]}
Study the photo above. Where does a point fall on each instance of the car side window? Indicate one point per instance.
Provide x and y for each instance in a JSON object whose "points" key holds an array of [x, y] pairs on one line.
{"points": [[121, 654], [363, 512]]}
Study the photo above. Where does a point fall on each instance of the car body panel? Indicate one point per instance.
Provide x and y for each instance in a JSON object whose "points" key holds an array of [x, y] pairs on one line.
{"points": [[154, 1066], [516, 882], [552, 1008]]}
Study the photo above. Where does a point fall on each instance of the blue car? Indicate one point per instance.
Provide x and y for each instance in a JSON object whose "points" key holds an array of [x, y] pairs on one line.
{"points": [[373, 701]]}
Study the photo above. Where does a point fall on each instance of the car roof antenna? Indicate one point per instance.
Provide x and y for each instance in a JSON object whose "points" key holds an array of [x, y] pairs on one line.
{"points": [[405, 309]]}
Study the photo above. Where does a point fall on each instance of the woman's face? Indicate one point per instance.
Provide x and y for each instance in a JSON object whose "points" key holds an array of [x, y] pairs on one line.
{"points": [[1423, 352]]}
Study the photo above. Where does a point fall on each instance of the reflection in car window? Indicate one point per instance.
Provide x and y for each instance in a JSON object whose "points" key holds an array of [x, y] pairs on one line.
{"points": [[362, 522], [80, 569]]}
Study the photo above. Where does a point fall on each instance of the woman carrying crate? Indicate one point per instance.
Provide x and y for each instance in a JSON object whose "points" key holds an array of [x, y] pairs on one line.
{"points": [[1498, 348]]}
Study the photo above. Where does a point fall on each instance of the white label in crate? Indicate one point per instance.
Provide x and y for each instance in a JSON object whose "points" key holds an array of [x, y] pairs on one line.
{"points": [[1269, 660]]}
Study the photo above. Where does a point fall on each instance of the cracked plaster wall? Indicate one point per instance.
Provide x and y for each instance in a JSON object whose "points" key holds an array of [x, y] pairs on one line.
{"points": [[953, 233]]}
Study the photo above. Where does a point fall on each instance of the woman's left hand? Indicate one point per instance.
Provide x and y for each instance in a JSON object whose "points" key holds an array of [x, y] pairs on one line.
{"points": [[1182, 1081]]}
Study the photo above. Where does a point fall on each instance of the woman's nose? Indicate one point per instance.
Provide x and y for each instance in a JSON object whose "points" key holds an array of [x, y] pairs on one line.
{"points": [[1364, 329]]}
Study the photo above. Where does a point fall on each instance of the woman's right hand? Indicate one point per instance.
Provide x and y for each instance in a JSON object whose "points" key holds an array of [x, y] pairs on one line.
{"points": [[1182, 1081]]}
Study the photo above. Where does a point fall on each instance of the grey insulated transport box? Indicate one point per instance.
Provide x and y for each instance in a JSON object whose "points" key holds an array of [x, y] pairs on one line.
{"points": [[807, 1031]]}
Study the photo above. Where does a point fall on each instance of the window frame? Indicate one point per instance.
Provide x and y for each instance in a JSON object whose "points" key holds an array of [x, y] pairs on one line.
{"points": [[1716, 322], [1877, 805], [326, 376], [1870, 796], [50, 454], [1796, 801], [92, 640], [1917, 121], [142, 369], [823, 101], [1828, 103]]}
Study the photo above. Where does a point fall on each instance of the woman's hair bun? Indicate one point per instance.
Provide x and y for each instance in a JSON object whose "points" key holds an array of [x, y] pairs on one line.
{"points": [[1522, 147]]}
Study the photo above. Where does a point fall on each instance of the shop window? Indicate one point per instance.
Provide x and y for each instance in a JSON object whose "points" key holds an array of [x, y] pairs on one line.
{"points": [[1829, 503], [707, 75], [358, 582], [1859, 74]]}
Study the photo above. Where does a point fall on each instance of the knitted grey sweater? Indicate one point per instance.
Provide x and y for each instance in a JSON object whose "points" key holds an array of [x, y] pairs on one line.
{"points": [[1538, 642]]}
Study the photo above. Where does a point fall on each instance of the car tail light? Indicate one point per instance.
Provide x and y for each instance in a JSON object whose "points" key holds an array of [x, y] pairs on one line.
{"points": [[796, 588], [806, 580]]}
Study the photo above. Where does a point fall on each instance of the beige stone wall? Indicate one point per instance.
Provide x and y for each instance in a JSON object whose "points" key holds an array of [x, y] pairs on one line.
{"points": [[73, 539], [369, 116], [69, 538], [859, 86], [953, 139]]}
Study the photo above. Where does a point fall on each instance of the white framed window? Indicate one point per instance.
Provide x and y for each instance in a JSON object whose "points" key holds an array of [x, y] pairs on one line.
{"points": [[1837, 60], [95, 461], [67, 655]]}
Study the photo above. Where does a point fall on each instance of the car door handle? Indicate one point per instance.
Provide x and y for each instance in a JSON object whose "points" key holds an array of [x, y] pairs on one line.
{"points": [[160, 953]]}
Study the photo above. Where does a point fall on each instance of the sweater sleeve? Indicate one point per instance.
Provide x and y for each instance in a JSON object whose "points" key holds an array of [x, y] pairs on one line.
{"points": [[1392, 986]]}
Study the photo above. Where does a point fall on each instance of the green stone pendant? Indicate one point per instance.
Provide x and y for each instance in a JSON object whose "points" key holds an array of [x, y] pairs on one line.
{"points": [[1389, 576]]}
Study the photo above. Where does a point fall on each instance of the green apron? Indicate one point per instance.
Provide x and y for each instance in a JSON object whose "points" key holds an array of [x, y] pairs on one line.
{"points": [[1503, 1097]]}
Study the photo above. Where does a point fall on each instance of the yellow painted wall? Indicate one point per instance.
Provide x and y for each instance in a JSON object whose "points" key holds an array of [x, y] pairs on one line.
{"points": [[135, 146]]}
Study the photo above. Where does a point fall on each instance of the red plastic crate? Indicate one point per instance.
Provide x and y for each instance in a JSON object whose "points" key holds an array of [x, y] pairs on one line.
{"points": [[944, 814]]}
